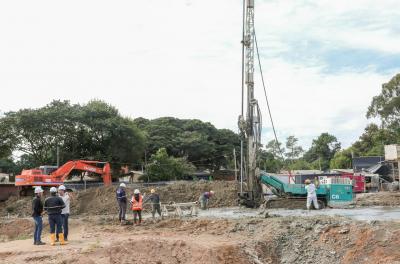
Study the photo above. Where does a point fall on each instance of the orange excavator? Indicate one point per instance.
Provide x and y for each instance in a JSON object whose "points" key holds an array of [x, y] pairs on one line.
{"points": [[52, 176]]}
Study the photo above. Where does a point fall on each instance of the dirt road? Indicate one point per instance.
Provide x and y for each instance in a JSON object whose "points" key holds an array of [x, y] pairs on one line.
{"points": [[319, 239]]}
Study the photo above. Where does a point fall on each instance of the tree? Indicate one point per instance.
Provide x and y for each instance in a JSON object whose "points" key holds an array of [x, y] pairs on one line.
{"points": [[322, 151], [293, 150], [275, 149], [268, 162], [373, 140], [387, 104], [200, 142], [95, 130], [341, 159], [163, 167]]}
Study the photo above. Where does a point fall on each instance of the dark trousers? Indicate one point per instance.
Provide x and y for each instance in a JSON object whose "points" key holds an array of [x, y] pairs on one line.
{"points": [[64, 220], [137, 213], [122, 210], [155, 208], [55, 221], [37, 234]]}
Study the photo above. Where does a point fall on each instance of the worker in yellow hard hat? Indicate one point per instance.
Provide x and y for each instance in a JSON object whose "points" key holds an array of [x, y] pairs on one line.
{"points": [[154, 199], [311, 194]]}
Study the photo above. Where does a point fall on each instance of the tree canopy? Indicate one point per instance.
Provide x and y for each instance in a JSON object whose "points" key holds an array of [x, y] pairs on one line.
{"points": [[94, 130], [200, 142]]}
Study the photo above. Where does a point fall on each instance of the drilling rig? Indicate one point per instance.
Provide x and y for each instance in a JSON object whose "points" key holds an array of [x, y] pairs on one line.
{"points": [[250, 123]]}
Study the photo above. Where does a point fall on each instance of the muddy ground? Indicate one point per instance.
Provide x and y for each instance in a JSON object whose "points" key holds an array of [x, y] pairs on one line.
{"points": [[319, 239]]}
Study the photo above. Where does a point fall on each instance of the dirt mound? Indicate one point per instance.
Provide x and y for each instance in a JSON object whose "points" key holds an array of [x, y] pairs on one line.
{"points": [[15, 229], [378, 199], [102, 200]]}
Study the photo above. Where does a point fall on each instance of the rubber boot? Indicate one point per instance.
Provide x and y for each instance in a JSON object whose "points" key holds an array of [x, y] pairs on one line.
{"points": [[53, 239], [62, 240]]}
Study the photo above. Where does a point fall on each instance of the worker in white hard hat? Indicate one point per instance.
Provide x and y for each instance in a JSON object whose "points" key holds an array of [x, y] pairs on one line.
{"points": [[137, 206], [65, 211], [54, 205], [37, 211], [154, 199], [203, 199], [311, 194], [122, 202]]}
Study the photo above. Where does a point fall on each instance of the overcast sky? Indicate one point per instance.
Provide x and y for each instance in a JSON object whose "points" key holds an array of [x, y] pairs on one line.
{"points": [[323, 60]]}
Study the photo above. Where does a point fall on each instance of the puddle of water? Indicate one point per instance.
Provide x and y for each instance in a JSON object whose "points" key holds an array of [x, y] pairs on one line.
{"points": [[364, 214]]}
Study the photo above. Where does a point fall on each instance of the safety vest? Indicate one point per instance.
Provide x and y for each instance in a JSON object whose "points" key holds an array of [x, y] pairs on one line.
{"points": [[137, 205]]}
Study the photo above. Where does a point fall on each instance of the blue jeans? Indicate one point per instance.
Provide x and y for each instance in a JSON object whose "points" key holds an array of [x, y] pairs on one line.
{"points": [[55, 220], [37, 234], [64, 220]]}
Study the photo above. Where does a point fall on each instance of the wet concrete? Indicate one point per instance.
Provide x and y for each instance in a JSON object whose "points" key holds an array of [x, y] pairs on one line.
{"points": [[364, 214]]}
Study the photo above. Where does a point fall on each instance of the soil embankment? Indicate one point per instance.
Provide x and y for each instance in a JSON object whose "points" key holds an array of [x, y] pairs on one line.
{"points": [[100, 201]]}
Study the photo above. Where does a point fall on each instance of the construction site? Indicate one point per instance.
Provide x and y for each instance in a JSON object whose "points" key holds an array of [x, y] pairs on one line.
{"points": [[82, 183]]}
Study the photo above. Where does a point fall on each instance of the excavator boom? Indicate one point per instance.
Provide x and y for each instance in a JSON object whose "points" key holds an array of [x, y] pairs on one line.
{"points": [[37, 177]]}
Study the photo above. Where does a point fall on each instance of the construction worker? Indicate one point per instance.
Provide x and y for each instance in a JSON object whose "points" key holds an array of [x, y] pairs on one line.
{"points": [[203, 199], [54, 205], [137, 206], [311, 194], [37, 211], [121, 199], [154, 198], [65, 211]]}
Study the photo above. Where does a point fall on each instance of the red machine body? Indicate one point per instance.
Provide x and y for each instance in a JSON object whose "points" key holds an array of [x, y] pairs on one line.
{"points": [[38, 177]]}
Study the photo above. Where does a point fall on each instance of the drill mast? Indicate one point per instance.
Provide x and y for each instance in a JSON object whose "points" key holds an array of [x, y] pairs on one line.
{"points": [[250, 126]]}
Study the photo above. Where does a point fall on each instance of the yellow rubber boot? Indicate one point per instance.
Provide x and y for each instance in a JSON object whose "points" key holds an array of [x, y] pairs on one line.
{"points": [[61, 238], [53, 239]]}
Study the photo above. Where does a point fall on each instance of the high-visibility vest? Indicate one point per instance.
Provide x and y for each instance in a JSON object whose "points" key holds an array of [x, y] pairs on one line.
{"points": [[137, 205]]}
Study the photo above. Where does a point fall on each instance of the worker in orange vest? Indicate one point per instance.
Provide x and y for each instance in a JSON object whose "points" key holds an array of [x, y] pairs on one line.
{"points": [[137, 206]]}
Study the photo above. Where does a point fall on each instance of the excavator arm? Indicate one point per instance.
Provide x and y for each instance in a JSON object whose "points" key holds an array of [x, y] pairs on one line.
{"points": [[61, 174]]}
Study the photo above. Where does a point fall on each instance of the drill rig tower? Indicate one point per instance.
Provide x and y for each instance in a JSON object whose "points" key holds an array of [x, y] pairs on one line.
{"points": [[249, 125]]}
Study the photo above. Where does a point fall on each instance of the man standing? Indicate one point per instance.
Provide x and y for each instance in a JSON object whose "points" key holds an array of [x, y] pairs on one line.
{"points": [[137, 206], [37, 210], [65, 211], [203, 199], [121, 199], [154, 198], [311, 194], [54, 205]]}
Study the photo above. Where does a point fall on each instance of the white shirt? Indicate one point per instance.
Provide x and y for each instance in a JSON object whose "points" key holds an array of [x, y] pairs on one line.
{"points": [[311, 190], [66, 200]]}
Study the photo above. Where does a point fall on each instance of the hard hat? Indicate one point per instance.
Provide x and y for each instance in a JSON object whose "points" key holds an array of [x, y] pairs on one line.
{"points": [[38, 190], [62, 187], [122, 185], [153, 191], [307, 181], [136, 191], [53, 189]]}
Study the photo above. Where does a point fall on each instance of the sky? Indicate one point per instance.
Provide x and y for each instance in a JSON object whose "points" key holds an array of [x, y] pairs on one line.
{"points": [[323, 60]]}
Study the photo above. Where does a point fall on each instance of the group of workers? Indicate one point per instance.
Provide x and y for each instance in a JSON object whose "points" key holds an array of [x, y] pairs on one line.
{"points": [[137, 201], [57, 208]]}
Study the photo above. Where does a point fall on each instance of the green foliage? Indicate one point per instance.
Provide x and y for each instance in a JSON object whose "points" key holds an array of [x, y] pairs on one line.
{"points": [[293, 150], [202, 144], [373, 140], [387, 104], [163, 167], [341, 160], [95, 130], [268, 162], [322, 151], [299, 164], [276, 149]]}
